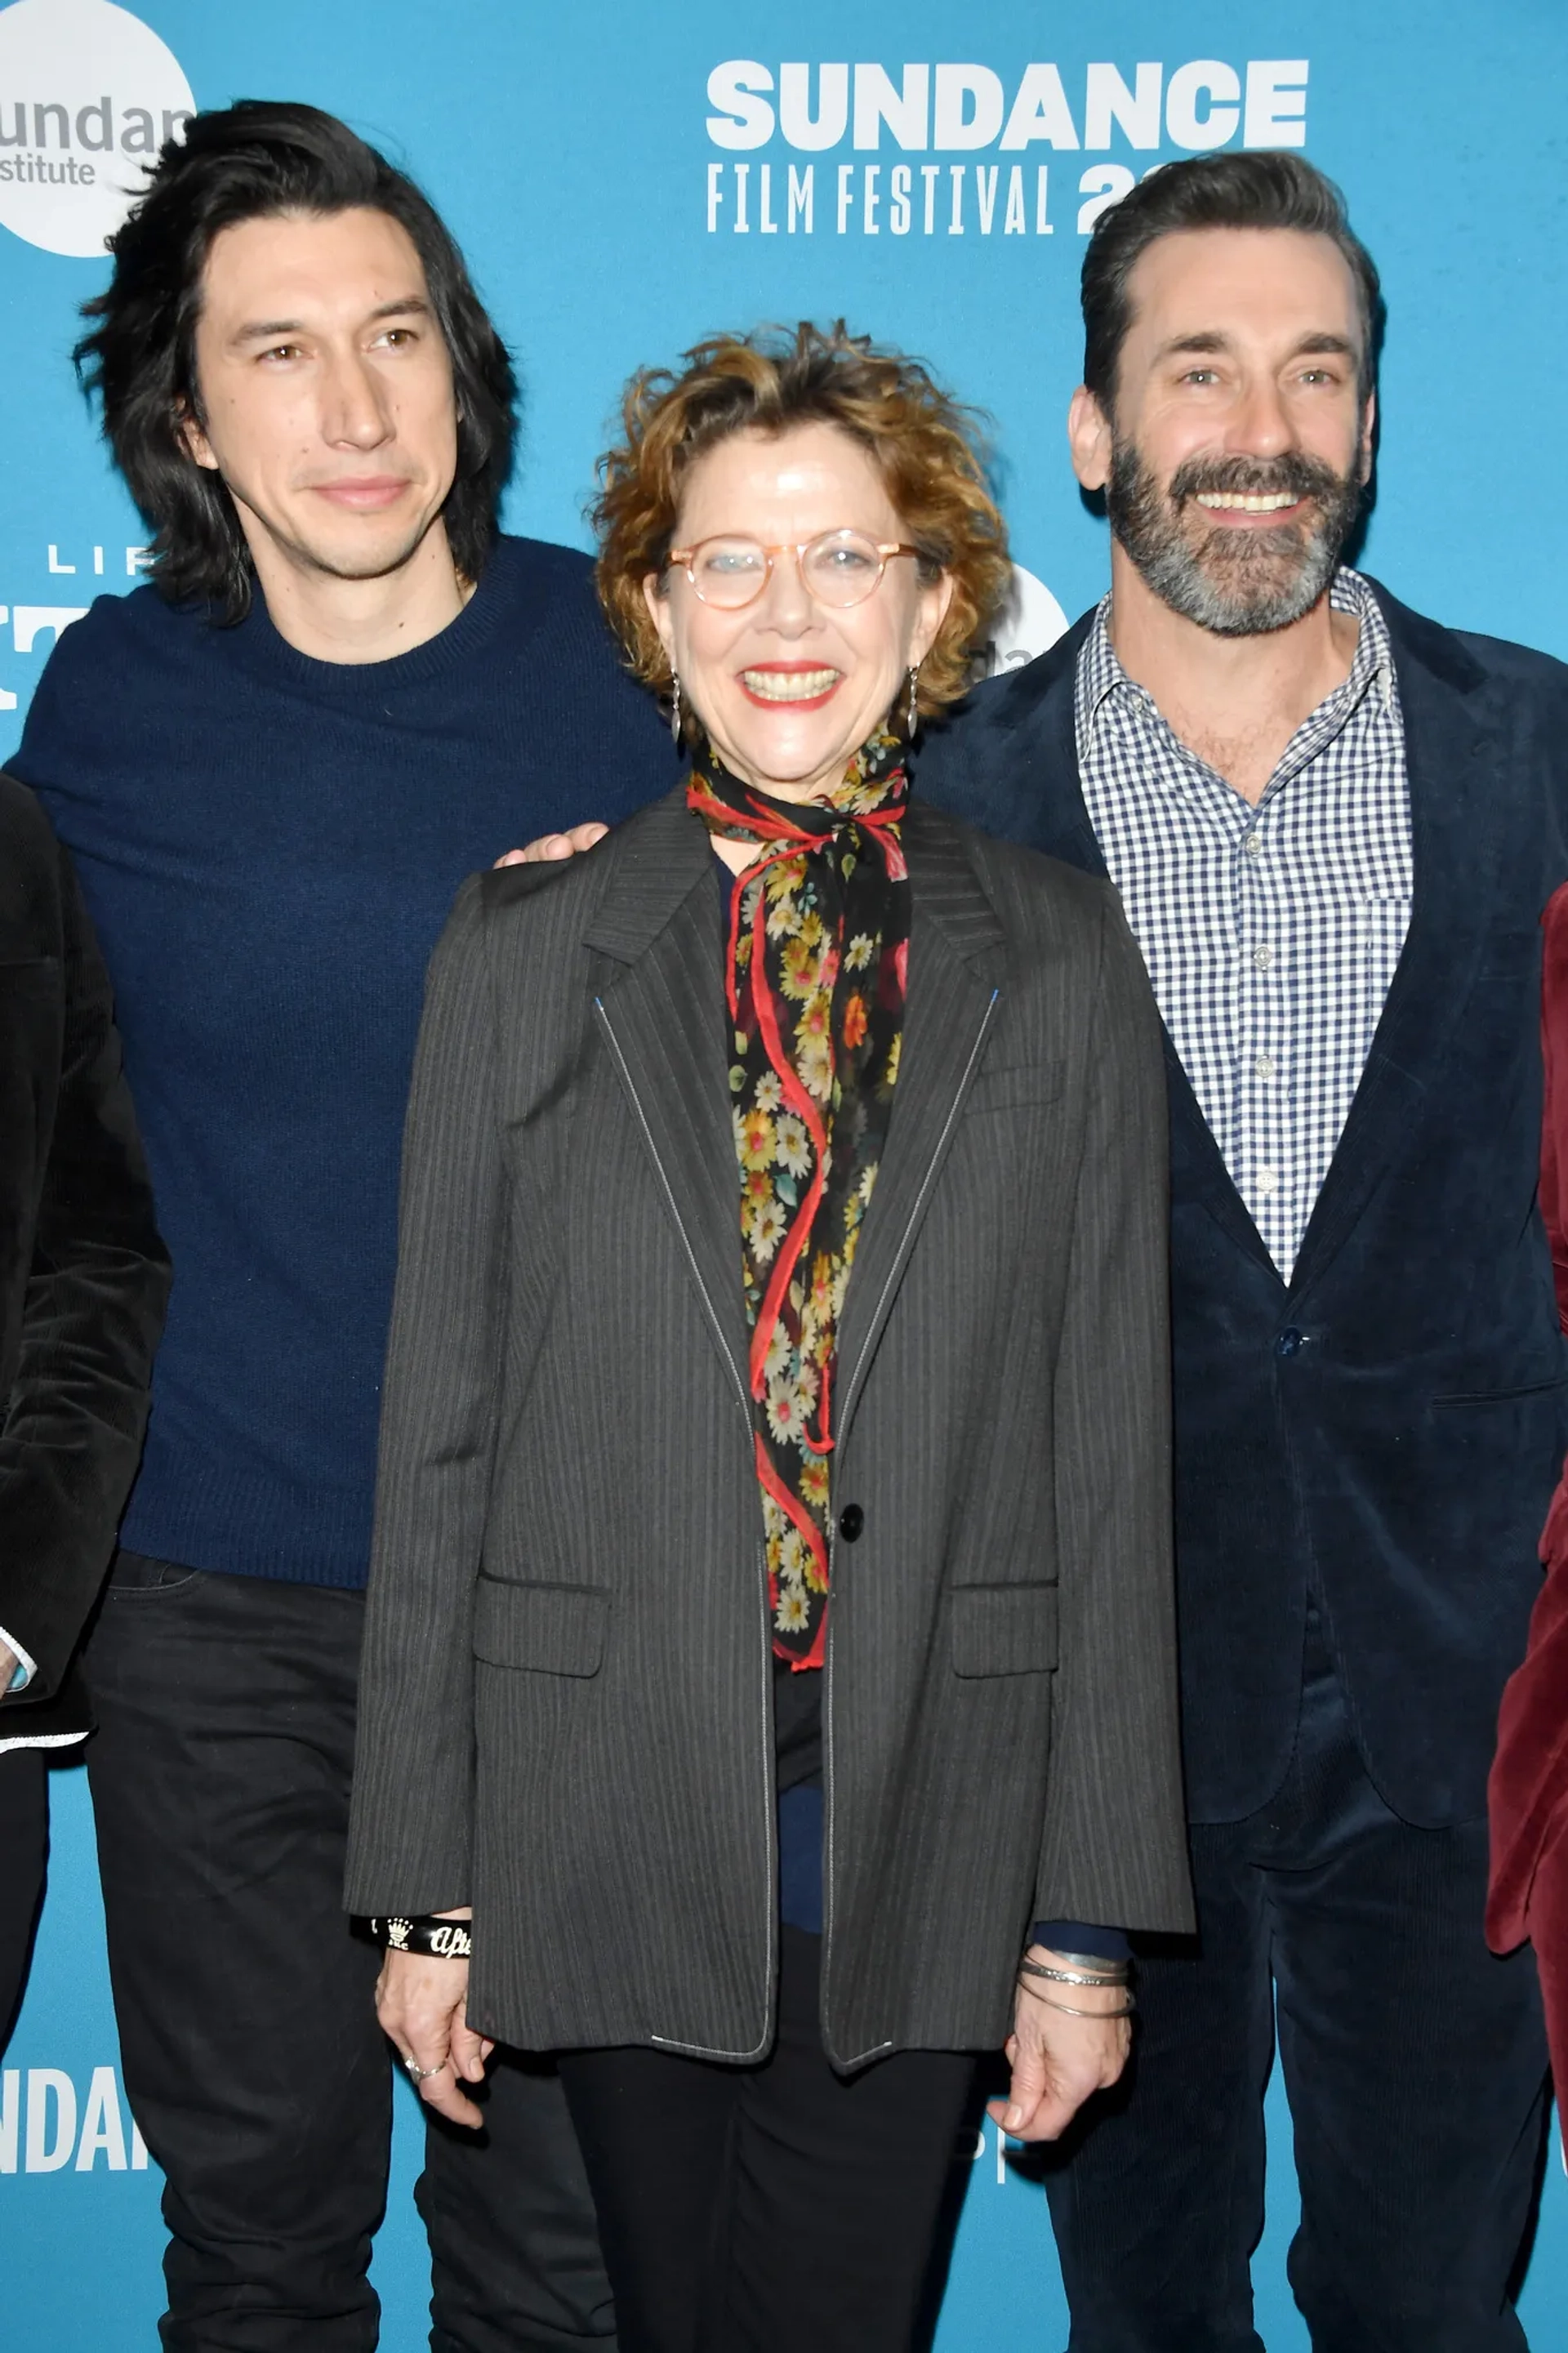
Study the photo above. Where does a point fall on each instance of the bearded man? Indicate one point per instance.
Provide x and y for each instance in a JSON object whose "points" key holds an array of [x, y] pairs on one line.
{"points": [[1334, 825]]}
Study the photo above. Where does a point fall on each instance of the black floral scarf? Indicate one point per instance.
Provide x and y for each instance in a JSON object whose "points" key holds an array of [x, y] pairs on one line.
{"points": [[817, 963]]}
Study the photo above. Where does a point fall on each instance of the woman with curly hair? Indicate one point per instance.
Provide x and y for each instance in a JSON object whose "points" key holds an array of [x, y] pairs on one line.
{"points": [[770, 1647]]}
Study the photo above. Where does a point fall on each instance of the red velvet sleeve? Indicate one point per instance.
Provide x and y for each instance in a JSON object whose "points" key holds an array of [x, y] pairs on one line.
{"points": [[1529, 1791]]}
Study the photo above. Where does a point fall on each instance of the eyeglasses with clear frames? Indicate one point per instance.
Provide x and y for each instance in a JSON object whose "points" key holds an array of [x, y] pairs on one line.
{"points": [[840, 568]]}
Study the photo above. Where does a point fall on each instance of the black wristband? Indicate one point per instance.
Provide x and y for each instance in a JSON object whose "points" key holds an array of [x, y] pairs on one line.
{"points": [[443, 1940]]}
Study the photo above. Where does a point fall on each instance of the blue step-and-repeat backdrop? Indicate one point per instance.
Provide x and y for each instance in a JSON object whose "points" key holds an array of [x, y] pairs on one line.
{"points": [[626, 179]]}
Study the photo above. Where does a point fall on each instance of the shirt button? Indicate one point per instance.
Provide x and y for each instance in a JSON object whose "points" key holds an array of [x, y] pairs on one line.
{"points": [[1264, 1066], [1289, 1342], [1253, 845], [1263, 958], [851, 1520], [1267, 1182]]}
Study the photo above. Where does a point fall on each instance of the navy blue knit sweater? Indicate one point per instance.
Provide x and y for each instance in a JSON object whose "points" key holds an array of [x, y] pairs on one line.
{"points": [[269, 846]]}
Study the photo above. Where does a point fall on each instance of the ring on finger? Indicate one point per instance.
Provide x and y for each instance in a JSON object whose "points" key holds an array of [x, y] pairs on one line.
{"points": [[422, 2075]]}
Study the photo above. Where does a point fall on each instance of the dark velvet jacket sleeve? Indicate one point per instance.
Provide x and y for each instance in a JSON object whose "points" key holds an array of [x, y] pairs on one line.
{"points": [[1529, 1788], [85, 1275]]}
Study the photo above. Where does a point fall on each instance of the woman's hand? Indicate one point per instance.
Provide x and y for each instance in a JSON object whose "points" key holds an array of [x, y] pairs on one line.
{"points": [[1059, 2061], [421, 2002]]}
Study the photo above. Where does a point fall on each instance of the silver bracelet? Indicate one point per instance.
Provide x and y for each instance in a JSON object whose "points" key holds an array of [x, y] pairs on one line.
{"points": [[1075, 1976], [1068, 2011]]}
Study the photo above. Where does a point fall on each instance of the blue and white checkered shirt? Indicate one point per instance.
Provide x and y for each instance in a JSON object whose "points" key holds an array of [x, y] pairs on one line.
{"points": [[1270, 933]]}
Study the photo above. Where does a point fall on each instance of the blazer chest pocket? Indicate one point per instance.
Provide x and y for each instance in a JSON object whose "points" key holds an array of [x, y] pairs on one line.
{"points": [[1016, 1086], [1003, 1629], [555, 1630]]}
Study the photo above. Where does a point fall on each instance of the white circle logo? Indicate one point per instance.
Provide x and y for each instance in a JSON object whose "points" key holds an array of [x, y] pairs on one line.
{"points": [[1029, 622], [88, 95]]}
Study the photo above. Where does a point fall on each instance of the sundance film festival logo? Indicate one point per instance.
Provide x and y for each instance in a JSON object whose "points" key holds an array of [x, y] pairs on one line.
{"points": [[1020, 124], [88, 96]]}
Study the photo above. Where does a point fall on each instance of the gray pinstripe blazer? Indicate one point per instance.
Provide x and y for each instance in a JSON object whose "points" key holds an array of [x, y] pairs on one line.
{"points": [[567, 1680]]}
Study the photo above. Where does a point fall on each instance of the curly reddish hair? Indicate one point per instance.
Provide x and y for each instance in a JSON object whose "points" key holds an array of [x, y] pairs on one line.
{"points": [[930, 452]]}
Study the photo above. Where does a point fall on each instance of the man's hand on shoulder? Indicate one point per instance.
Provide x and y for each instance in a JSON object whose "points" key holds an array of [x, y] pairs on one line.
{"points": [[555, 845]]}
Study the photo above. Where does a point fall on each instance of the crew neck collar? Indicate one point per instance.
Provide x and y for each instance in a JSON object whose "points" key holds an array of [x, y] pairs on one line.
{"points": [[265, 651]]}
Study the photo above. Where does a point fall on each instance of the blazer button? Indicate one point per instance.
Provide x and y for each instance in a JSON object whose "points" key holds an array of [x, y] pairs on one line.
{"points": [[1289, 1342], [851, 1520]]}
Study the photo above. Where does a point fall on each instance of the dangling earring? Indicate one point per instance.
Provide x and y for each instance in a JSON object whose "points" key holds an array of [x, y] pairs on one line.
{"points": [[914, 705], [675, 709]]}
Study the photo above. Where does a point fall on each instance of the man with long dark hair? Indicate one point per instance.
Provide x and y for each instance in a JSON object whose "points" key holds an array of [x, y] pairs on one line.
{"points": [[343, 691]]}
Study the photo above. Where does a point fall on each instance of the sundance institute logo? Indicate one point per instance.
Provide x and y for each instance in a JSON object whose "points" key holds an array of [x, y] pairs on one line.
{"points": [[88, 96]]}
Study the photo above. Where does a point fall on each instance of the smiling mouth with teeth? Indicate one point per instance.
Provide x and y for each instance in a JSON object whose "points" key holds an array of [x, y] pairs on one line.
{"points": [[1248, 501], [789, 685]]}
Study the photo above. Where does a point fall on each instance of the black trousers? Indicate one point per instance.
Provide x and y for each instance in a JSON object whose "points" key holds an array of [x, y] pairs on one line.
{"points": [[1415, 2065], [251, 2053], [23, 1848], [769, 2209]]}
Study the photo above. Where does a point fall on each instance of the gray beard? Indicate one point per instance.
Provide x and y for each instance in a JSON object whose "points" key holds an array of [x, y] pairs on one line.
{"points": [[1233, 584]]}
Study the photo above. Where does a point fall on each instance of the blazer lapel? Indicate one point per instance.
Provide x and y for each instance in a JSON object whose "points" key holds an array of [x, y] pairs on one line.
{"points": [[1048, 812], [1454, 847], [663, 1015], [1023, 783], [956, 947]]}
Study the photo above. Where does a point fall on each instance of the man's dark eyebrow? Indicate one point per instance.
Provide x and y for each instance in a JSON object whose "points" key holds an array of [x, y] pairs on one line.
{"points": [[1209, 339], [260, 330], [1201, 338], [1327, 343]]}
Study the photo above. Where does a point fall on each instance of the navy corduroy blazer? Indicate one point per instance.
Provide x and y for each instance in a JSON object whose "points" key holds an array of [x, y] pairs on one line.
{"points": [[1384, 1431]]}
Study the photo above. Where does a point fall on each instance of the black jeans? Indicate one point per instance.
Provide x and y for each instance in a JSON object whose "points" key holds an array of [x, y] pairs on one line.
{"points": [[775, 2209], [1415, 2065], [23, 1846], [250, 2049]]}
